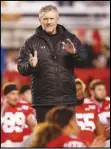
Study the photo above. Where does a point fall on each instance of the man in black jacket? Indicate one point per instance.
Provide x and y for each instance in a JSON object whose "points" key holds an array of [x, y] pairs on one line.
{"points": [[49, 57]]}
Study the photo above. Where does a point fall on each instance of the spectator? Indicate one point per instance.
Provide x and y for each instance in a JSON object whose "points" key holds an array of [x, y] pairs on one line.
{"points": [[11, 59], [100, 62], [81, 32], [106, 52], [96, 41]]}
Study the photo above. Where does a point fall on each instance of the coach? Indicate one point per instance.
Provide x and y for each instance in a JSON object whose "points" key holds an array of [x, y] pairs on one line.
{"points": [[49, 57]]}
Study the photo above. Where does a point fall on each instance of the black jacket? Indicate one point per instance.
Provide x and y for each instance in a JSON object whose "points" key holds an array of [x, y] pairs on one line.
{"points": [[52, 80]]}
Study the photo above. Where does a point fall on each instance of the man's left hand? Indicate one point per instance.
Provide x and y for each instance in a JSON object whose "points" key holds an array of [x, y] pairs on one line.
{"points": [[69, 46]]}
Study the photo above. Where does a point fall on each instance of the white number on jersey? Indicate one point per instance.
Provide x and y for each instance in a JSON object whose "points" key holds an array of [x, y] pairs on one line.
{"points": [[86, 121], [74, 144], [105, 118], [13, 122]]}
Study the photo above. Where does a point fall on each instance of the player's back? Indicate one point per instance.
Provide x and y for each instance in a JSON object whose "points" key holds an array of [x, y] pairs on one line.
{"points": [[66, 141]]}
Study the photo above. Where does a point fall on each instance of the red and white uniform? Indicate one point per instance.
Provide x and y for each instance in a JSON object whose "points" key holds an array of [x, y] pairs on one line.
{"points": [[104, 111], [104, 114], [13, 123], [86, 115], [66, 141], [27, 130]]}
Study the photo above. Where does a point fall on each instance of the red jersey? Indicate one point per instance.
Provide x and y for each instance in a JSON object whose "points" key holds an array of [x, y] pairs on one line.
{"points": [[13, 122], [104, 111], [86, 115], [66, 141], [1, 101], [27, 130]]}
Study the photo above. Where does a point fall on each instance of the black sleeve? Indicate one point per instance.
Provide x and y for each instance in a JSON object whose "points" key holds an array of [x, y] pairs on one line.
{"points": [[80, 57], [24, 66]]}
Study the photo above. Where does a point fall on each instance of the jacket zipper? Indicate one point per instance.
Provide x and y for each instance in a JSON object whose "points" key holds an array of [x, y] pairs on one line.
{"points": [[57, 74], [55, 54]]}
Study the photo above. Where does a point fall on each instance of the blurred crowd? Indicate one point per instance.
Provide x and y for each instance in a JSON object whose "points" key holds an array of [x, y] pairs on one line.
{"points": [[88, 3], [68, 3], [98, 51]]}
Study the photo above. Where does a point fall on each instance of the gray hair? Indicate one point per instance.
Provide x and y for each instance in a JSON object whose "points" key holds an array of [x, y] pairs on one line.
{"points": [[48, 8]]}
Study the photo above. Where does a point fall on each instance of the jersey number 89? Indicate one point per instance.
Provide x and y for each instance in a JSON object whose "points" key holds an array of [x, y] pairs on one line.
{"points": [[13, 122]]}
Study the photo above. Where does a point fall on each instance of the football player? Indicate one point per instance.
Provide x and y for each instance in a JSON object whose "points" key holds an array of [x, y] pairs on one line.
{"points": [[14, 117], [26, 98], [87, 115], [99, 97]]}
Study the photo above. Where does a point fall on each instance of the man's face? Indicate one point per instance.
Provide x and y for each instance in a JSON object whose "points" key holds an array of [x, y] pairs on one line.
{"points": [[100, 92], [12, 98], [79, 92], [49, 21]]}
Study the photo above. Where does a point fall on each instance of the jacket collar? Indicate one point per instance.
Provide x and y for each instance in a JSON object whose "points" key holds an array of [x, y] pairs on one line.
{"points": [[61, 29]]}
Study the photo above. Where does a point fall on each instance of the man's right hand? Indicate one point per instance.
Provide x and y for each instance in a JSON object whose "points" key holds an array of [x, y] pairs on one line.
{"points": [[33, 59]]}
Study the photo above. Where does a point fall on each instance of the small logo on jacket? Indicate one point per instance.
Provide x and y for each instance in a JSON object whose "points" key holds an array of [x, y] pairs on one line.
{"points": [[42, 47]]}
